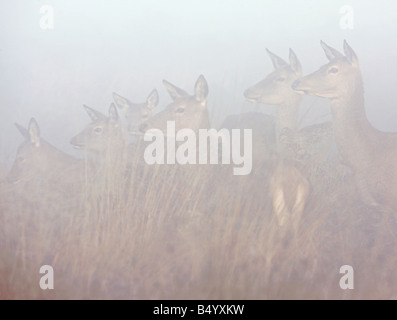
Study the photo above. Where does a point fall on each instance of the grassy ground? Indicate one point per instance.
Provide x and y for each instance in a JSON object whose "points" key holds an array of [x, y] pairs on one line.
{"points": [[174, 232]]}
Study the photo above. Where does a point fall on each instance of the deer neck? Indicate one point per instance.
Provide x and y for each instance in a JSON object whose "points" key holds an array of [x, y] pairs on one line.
{"points": [[57, 165], [205, 120], [53, 155], [113, 154], [287, 116], [353, 132]]}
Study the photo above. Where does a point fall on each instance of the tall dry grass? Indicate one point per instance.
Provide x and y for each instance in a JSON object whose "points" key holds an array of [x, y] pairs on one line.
{"points": [[190, 232]]}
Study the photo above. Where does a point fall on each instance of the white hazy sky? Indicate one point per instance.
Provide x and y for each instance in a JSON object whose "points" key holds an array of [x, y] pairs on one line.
{"points": [[101, 46]]}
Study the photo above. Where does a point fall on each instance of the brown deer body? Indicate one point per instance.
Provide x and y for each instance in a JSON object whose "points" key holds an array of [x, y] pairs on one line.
{"points": [[289, 188], [263, 133], [42, 169], [371, 154]]}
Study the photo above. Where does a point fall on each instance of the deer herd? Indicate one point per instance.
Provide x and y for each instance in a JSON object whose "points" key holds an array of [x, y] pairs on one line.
{"points": [[299, 154]]}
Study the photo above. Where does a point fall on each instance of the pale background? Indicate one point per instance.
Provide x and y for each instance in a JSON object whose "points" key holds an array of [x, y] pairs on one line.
{"points": [[97, 47]]}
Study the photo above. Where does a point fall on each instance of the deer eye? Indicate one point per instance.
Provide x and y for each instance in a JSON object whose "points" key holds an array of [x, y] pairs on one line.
{"points": [[281, 79], [98, 129], [333, 70], [180, 110]]}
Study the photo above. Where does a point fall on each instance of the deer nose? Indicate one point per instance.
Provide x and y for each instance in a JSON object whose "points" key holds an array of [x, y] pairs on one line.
{"points": [[251, 96], [142, 127], [295, 84]]}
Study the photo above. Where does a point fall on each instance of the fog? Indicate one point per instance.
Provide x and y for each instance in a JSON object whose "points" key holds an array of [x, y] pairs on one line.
{"points": [[99, 47], [115, 225]]}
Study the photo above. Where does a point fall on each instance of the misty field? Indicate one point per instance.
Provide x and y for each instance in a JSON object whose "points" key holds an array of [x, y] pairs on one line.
{"points": [[180, 232], [78, 194]]}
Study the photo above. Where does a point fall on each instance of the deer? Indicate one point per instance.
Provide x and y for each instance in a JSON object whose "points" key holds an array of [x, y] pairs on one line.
{"points": [[105, 148], [188, 111], [276, 90], [289, 191], [136, 113], [313, 146], [41, 167], [103, 134], [289, 182], [102, 138], [371, 153]]}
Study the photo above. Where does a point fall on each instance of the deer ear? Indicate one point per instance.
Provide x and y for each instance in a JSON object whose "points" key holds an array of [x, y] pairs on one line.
{"points": [[23, 131], [350, 54], [294, 63], [122, 103], [173, 90], [330, 52], [34, 132], [201, 89], [94, 115], [113, 114], [276, 60], [152, 99]]}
